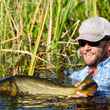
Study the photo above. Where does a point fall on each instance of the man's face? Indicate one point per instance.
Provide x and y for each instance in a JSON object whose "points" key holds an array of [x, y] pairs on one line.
{"points": [[92, 53]]}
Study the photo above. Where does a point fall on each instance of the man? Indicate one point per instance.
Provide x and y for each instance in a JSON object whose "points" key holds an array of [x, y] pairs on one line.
{"points": [[94, 42]]}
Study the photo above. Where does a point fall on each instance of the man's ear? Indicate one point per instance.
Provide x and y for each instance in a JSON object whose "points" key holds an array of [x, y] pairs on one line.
{"points": [[108, 49]]}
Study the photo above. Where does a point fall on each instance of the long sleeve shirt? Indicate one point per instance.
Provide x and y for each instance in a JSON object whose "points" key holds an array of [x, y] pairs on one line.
{"points": [[102, 77]]}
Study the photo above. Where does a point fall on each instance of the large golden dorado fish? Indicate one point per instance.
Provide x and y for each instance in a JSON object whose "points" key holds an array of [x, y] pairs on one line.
{"points": [[17, 85]]}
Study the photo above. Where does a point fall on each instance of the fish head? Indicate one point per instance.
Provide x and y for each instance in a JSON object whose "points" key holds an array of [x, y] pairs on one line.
{"points": [[87, 88]]}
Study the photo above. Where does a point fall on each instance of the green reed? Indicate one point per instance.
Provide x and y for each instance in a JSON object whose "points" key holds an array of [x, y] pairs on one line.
{"points": [[91, 8]]}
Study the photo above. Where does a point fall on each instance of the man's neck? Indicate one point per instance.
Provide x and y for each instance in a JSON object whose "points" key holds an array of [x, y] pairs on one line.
{"points": [[92, 70]]}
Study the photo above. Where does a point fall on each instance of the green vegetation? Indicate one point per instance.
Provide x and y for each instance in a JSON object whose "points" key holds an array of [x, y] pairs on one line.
{"points": [[39, 35]]}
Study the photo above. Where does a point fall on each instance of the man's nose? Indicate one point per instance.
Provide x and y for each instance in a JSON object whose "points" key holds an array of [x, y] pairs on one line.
{"points": [[87, 47]]}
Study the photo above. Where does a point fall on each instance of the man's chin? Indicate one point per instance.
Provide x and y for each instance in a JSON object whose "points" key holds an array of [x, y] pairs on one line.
{"points": [[91, 64]]}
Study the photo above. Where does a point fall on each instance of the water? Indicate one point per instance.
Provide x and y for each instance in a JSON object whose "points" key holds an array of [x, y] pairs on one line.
{"points": [[31, 103]]}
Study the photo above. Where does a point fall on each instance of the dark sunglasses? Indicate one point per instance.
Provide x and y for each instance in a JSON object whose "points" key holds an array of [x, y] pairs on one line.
{"points": [[82, 43]]}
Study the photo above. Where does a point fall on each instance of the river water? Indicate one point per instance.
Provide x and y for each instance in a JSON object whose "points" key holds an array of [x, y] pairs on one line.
{"points": [[31, 103]]}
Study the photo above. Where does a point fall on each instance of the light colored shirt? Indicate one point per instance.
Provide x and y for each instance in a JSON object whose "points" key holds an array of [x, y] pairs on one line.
{"points": [[102, 77]]}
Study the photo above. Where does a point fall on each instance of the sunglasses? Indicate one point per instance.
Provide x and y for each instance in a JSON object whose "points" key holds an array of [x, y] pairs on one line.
{"points": [[82, 43]]}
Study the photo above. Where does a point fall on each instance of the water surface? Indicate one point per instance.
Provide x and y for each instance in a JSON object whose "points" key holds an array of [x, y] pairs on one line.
{"points": [[33, 103]]}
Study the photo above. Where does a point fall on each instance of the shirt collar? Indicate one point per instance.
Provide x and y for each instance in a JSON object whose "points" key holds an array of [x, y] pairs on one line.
{"points": [[104, 63]]}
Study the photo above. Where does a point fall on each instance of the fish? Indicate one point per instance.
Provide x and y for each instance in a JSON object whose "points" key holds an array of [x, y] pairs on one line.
{"points": [[19, 85]]}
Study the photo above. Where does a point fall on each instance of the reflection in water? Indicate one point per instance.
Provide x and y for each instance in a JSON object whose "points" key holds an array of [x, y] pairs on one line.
{"points": [[32, 103]]}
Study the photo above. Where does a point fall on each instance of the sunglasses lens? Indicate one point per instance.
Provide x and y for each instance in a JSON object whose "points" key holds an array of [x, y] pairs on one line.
{"points": [[93, 44], [82, 44]]}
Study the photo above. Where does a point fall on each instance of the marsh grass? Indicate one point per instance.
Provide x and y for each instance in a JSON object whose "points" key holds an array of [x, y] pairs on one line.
{"points": [[39, 35]]}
